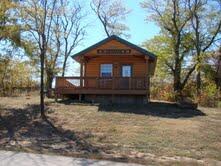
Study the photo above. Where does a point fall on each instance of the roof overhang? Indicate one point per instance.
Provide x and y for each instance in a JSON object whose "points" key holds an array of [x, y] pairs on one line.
{"points": [[150, 55]]}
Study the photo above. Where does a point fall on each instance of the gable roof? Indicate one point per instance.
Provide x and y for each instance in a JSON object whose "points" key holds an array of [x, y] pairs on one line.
{"points": [[114, 37]]}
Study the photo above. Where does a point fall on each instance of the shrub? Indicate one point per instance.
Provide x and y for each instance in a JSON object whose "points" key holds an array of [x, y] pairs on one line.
{"points": [[162, 92], [209, 96]]}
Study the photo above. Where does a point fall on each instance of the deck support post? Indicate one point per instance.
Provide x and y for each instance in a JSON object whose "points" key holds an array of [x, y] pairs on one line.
{"points": [[130, 80], [56, 97], [80, 97], [112, 99], [97, 83]]}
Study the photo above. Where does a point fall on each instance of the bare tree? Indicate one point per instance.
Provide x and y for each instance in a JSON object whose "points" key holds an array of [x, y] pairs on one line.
{"points": [[37, 16], [111, 13], [73, 31], [53, 53]]}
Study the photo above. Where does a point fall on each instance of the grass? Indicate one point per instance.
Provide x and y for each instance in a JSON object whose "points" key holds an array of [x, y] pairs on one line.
{"points": [[154, 133]]}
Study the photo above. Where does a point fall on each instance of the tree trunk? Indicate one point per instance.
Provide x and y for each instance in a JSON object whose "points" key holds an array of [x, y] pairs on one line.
{"points": [[198, 83], [42, 87], [64, 67], [42, 58], [49, 80], [177, 85], [177, 71]]}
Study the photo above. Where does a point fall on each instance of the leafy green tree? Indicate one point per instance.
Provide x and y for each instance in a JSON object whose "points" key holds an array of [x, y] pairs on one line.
{"points": [[9, 28], [172, 16], [205, 26], [211, 67], [15, 75], [161, 46]]}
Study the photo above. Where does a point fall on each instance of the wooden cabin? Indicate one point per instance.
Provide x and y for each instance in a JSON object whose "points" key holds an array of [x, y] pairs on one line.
{"points": [[113, 70]]}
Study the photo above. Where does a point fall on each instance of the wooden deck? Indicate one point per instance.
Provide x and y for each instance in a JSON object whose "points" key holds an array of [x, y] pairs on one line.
{"points": [[102, 85]]}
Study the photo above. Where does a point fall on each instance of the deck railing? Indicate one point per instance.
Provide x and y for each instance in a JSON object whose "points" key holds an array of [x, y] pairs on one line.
{"points": [[114, 83]]}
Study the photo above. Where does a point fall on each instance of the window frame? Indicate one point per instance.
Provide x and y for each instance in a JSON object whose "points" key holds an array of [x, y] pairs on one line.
{"points": [[111, 69], [131, 70]]}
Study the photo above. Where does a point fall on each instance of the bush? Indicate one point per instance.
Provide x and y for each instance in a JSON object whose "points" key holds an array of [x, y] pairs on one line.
{"points": [[219, 104], [162, 92], [209, 96]]}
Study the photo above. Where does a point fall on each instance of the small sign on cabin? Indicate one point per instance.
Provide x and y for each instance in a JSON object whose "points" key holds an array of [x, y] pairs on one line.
{"points": [[114, 51]]}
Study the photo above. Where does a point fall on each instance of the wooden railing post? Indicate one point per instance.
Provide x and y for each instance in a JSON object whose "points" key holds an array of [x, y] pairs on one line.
{"points": [[130, 83], [97, 82], [113, 83], [63, 84]]}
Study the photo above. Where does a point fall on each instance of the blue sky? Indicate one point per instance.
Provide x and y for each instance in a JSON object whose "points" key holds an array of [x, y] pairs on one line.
{"points": [[140, 29]]}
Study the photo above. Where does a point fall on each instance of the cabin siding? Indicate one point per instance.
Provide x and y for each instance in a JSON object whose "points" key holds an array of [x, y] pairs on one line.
{"points": [[92, 67], [138, 65]]}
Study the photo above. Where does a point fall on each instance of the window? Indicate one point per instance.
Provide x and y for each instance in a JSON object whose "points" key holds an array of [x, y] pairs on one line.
{"points": [[106, 70], [126, 71]]}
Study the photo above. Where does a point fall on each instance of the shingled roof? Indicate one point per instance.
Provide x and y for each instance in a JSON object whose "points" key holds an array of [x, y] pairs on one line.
{"points": [[114, 37]]}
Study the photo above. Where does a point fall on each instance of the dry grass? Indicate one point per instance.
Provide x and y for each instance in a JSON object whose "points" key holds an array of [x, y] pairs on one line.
{"points": [[155, 133]]}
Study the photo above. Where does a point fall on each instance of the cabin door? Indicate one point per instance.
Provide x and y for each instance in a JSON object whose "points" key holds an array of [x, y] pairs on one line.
{"points": [[126, 73]]}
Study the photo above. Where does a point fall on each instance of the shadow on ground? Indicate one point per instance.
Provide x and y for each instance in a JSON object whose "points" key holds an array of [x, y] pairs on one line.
{"points": [[159, 109], [23, 129], [69, 101]]}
